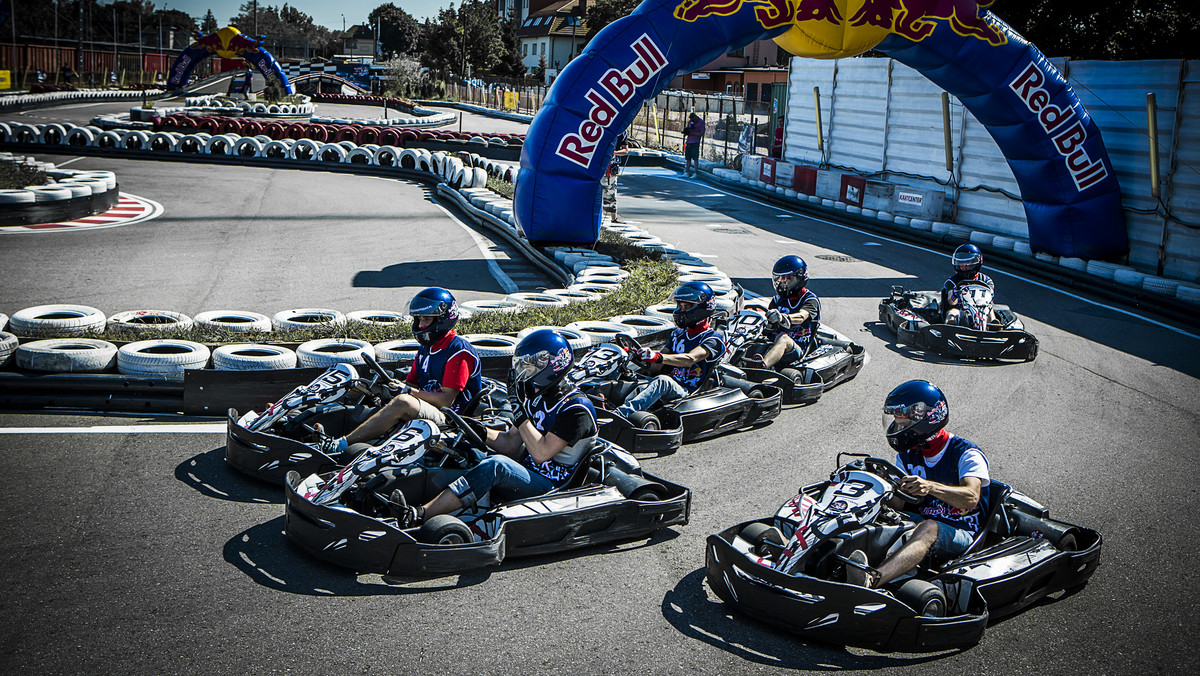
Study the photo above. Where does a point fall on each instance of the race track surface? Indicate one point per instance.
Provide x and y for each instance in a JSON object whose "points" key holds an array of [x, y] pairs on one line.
{"points": [[133, 549]]}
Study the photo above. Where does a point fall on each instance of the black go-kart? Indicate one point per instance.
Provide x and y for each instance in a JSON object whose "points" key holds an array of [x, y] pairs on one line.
{"points": [[284, 437], [790, 571], [608, 374], [347, 517], [987, 331], [833, 361]]}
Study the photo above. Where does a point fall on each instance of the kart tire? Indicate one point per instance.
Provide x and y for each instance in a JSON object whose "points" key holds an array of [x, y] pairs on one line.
{"points": [[66, 355], [1067, 543], [233, 320], [924, 597], [161, 358], [1033, 351], [249, 357], [324, 352], [444, 529], [56, 320], [645, 420], [759, 534], [797, 376]]}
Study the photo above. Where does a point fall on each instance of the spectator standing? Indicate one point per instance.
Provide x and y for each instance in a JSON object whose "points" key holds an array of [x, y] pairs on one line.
{"points": [[693, 136], [777, 147]]}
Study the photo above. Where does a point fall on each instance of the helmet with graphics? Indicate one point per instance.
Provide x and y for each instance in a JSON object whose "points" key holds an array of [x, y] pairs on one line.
{"points": [[434, 313], [968, 259], [789, 275], [540, 362], [913, 413], [694, 303]]}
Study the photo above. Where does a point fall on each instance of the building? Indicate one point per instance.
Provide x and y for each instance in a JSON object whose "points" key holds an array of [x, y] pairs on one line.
{"points": [[550, 29], [359, 41], [752, 73]]}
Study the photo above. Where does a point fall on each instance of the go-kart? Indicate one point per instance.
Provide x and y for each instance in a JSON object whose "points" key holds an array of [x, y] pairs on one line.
{"points": [[347, 518], [790, 570], [609, 374], [834, 360], [986, 330], [284, 437]]}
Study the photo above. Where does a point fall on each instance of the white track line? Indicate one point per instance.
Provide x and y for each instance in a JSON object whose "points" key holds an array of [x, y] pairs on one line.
{"points": [[194, 428], [993, 270]]}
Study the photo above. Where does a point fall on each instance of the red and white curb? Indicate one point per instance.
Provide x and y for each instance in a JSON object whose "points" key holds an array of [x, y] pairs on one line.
{"points": [[130, 209]]}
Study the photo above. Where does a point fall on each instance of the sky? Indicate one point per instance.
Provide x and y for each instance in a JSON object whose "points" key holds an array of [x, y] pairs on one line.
{"points": [[323, 12]]}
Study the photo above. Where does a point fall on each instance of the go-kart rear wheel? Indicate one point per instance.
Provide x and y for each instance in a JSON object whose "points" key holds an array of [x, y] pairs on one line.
{"points": [[794, 375], [646, 494], [1067, 543], [762, 536], [444, 529], [645, 420], [924, 597], [1033, 350]]}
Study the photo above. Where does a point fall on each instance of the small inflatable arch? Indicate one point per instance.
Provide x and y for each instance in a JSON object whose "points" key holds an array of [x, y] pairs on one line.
{"points": [[1068, 185], [228, 43]]}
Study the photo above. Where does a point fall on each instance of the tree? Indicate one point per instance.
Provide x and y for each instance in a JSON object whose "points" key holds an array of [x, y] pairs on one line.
{"points": [[512, 64], [539, 71], [399, 32], [463, 40], [1136, 29], [605, 12], [284, 29], [209, 25]]}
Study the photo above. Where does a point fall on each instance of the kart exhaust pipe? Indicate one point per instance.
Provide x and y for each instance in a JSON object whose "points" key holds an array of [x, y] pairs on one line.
{"points": [[1027, 524], [635, 487]]}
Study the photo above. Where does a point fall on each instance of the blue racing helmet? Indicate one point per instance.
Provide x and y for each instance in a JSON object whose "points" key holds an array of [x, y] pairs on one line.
{"points": [[540, 361], [694, 303], [914, 412], [968, 258], [789, 275], [437, 303]]}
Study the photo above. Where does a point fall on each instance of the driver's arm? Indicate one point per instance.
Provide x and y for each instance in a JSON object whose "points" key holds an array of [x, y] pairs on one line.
{"points": [[440, 399], [964, 497], [541, 447], [689, 358], [507, 442]]}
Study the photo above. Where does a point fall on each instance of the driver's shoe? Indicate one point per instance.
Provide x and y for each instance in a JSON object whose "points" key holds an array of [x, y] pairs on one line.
{"points": [[406, 515], [861, 575], [331, 446], [756, 361]]}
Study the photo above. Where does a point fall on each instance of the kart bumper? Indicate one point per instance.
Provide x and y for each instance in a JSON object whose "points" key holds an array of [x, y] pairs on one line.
{"points": [[959, 341], [269, 457]]}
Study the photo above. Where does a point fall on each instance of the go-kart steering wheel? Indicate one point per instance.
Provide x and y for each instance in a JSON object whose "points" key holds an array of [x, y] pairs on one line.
{"points": [[465, 430], [627, 342], [893, 474], [381, 373]]}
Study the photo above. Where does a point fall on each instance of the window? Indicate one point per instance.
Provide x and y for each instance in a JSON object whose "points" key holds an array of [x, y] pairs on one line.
{"points": [[767, 89], [525, 49], [751, 91], [543, 49]]}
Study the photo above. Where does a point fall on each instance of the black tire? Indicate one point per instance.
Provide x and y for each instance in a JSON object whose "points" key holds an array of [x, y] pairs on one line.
{"points": [[1033, 351], [645, 420], [794, 375], [755, 393], [646, 494], [1067, 543], [444, 529], [924, 597], [759, 535]]}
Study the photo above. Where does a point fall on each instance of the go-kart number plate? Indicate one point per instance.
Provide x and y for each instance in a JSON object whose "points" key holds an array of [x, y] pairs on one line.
{"points": [[599, 362]]}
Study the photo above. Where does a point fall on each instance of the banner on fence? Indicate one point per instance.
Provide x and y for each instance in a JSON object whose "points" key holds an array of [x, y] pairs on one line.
{"points": [[5, 80]]}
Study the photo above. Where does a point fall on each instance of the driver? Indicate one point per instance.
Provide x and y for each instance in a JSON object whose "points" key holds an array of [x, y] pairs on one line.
{"points": [[445, 373], [554, 429], [968, 261], [794, 313], [949, 472], [695, 349]]}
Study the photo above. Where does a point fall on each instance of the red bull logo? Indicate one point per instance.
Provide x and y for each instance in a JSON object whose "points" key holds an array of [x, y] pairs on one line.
{"points": [[913, 19]]}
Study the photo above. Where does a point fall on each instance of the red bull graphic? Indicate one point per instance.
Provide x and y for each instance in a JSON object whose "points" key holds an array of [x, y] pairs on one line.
{"points": [[1071, 196], [231, 44]]}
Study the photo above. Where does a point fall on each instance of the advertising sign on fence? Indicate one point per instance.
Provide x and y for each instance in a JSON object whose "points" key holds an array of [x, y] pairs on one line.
{"points": [[510, 100], [5, 80]]}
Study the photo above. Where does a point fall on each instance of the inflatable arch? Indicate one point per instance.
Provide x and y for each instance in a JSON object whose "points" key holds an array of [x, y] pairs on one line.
{"points": [[229, 43], [1068, 185]]}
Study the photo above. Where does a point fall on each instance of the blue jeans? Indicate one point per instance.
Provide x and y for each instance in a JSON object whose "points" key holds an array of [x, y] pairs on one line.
{"points": [[660, 388], [508, 478]]}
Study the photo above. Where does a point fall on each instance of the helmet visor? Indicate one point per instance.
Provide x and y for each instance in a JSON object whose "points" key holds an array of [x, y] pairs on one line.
{"points": [[784, 281], [525, 367], [682, 306], [427, 307], [899, 418]]}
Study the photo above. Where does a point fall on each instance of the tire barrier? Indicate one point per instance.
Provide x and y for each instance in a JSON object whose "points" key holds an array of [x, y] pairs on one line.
{"points": [[325, 352], [602, 332], [218, 145], [107, 139], [53, 134], [56, 321], [149, 321], [642, 324], [164, 142], [66, 355], [388, 156], [397, 350], [492, 344], [250, 357], [573, 295], [81, 136], [248, 147], [575, 339], [161, 358], [306, 318], [8, 343], [378, 317], [360, 156], [480, 306], [538, 300], [233, 320], [304, 149], [331, 152]]}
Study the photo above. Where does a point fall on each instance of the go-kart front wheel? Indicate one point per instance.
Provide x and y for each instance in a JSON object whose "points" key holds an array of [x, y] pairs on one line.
{"points": [[444, 529], [645, 420], [924, 597], [762, 537]]}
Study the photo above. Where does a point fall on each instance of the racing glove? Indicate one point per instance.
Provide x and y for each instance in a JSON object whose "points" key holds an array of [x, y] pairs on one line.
{"points": [[778, 318], [648, 356], [399, 387]]}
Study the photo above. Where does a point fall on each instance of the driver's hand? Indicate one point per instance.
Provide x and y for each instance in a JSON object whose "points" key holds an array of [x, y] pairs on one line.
{"points": [[399, 386], [916, 486], [774, 317], [648, 356]]}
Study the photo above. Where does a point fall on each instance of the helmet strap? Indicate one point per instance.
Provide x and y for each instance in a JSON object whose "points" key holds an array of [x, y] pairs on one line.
{"points": [[934, 444]]}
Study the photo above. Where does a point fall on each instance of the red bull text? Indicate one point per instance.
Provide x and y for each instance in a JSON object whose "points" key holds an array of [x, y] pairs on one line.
{"points": [[1064, 128], [620, 85]]}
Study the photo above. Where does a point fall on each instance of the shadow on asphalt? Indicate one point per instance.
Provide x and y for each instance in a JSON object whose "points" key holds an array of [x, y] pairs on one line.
{"points": [[689, 609], [211, 476], [465, 272], [269, 558]]}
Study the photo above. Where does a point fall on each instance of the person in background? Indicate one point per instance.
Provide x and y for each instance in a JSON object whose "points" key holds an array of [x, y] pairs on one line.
{"points": [[609, 182], [777, 146], [693, 136]]}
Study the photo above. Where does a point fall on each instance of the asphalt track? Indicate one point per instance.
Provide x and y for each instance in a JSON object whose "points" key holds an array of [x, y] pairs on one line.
{"points": [[139, 552]]}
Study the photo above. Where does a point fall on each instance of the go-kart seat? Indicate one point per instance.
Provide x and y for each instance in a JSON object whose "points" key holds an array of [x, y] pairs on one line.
{"points": [[578, 475]]}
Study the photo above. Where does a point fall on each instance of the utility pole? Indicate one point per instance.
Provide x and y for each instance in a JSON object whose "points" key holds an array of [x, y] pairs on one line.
{"points": [[79, 48], [116, 57], [255, 19], [12, 18]]}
